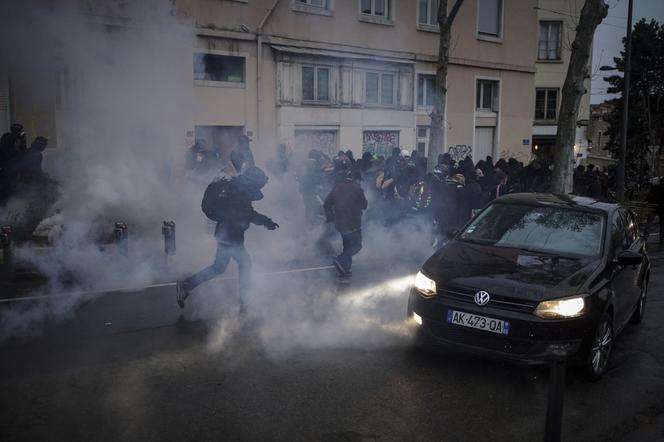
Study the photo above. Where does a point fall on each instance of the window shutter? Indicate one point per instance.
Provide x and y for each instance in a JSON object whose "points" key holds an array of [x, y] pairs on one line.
{"points": [[495, 102]]}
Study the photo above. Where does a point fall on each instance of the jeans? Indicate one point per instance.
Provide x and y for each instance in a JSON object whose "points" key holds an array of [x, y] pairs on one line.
{"points": [[225, 251], [352, 245]]}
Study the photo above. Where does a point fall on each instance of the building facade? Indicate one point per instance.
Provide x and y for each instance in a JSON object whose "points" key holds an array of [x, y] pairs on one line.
{"points": [[347, 74], [597, 136], [557, 21]]}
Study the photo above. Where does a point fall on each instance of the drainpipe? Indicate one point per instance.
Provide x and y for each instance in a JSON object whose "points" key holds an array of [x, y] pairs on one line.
{"points": [[259, 66]]}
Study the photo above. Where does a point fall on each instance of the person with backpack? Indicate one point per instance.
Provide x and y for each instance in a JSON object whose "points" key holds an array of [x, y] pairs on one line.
{"points": [[228, 202]]}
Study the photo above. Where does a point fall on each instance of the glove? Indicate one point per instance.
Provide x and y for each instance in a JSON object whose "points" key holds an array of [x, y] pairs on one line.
{"points": [[271, 225]]}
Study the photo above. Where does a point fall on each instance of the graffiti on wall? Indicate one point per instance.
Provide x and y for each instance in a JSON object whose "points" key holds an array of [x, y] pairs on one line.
{"points": [[380, 142], [460, 151], [322, 140]]}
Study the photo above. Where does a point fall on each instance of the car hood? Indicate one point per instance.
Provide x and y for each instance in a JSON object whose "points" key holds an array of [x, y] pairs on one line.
{"points": [[508, 272]]}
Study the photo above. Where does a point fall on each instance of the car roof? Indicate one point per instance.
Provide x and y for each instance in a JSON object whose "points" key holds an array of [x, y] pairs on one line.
{"points": [[560, 200]]}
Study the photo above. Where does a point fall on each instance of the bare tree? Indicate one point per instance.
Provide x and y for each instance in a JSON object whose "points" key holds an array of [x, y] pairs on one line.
{"points": [[445, 21], [592, 14]]}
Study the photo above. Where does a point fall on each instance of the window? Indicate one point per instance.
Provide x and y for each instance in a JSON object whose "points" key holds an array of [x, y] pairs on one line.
{"points": [[428, 12], [422, 139], [546, 103], [487, 95], [549, 40], [315, 83], [213, 67], [426, 89], [379, 89], [489, 17], [376, 8]]}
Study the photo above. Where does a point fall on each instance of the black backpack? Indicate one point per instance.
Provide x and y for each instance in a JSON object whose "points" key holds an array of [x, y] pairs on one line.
{"points": [[216, 199]]}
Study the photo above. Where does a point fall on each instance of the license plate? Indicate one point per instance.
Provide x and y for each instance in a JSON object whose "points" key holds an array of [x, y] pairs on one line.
{"points": [[478, 322]]}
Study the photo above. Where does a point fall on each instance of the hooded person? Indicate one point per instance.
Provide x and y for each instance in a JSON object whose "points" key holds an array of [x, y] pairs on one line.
{"points": [[30, 162], [241, 156], [12, 145], [344, 205], [228, 201]]}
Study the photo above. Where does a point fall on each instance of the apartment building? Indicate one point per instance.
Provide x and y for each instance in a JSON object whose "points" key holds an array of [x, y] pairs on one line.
{"points": [[557, 21], [597, 136], [350, 74]]}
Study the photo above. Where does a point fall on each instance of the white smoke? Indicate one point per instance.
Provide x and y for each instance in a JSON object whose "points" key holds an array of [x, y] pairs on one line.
{"points": [[121, 160]]}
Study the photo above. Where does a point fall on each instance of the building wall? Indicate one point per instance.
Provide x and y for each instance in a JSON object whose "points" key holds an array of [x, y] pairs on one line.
{"points": [[551, 74], [229, 27]]}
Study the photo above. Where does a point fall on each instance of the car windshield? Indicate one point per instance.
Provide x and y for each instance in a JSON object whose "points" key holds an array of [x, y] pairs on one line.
{"points": [[540, 229]]}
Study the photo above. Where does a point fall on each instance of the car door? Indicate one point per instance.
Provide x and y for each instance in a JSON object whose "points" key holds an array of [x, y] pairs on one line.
{"points": [[625, 278]]}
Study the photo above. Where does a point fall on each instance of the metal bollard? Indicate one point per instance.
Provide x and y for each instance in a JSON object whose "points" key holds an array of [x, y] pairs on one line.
{"points": [[120, 235], [168, 230], [7, 252], [555, 401]]}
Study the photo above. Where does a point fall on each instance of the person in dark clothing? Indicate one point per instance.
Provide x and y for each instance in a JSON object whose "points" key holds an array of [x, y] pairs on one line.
{"points": [[351, 157], [365, 163], [241, 156], [228, 202], [30, 162], [12, 146], [502, 187], [344, 206], [12, 150]]}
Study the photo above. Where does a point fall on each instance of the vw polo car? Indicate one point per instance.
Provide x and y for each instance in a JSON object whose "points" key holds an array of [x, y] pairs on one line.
{"points": [[534, 277]]}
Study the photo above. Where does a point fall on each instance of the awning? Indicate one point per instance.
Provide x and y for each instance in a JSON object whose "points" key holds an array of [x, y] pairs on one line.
{"points": [[338, 54]]}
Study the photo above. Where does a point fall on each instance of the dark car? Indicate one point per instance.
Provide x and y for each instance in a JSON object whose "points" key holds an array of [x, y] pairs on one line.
{"points": [[536, 276]]}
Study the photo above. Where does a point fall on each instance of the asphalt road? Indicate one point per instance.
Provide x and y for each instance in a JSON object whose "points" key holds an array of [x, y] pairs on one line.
{"points": [[319, 359]]}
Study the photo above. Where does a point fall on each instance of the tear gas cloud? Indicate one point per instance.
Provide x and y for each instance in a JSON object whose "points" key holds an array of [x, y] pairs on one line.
{"points": [[121, 155]]}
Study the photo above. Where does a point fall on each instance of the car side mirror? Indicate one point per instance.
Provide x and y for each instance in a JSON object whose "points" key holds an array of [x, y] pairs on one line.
{"points": [[451, 233], [628, 258]]}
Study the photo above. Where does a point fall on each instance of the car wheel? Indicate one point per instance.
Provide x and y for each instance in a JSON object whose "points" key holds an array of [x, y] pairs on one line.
{"points": [[637, 317], [602, 347]]}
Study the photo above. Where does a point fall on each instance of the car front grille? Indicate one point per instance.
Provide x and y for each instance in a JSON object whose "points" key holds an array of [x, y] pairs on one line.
{"points": [[497, 301]]}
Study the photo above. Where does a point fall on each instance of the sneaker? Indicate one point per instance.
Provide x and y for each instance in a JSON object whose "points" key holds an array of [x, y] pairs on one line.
{"points": [[340, 268], [182, 293]]}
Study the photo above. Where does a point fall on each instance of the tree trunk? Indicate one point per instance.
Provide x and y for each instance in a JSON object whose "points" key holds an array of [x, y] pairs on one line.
{"points": [[445, 21], [592, 14]]}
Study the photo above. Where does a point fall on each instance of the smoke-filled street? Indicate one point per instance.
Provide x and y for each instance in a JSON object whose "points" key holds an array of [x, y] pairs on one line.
{"points": [[335, 366], [331, 220]]}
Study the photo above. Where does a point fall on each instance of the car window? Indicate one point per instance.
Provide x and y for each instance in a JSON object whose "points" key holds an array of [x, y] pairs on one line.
{"points": [[546, 229]]}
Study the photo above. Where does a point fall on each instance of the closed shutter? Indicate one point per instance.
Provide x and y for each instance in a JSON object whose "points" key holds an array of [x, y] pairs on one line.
{"points": [[484, 138]]}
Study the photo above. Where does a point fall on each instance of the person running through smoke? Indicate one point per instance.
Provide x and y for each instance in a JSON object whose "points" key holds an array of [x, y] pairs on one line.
{"points": [[344, 206], [228, 202]]}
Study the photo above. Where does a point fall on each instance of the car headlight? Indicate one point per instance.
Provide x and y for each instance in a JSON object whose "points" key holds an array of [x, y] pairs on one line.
{"points": [[561, 308], [425, 285]]}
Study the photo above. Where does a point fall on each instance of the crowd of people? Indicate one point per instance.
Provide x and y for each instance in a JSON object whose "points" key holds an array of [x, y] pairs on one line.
{"points": [[401, 187], [351, 194], [20, 165]]}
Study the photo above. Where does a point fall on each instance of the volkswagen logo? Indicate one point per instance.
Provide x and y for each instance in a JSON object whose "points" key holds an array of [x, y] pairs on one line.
{"points": [[482, 298]]}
